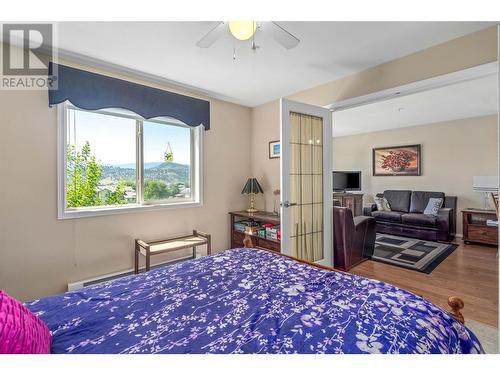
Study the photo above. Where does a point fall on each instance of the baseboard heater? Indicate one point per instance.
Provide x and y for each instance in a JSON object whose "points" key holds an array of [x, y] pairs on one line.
{"points": [[116, 275]]}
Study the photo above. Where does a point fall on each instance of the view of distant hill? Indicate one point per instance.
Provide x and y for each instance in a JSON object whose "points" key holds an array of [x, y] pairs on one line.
{"points": [[132, 165], [167, 171]]}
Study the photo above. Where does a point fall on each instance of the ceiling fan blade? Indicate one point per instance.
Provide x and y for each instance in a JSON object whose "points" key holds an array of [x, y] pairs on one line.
{"points": [[279, 34], [212, 36]]}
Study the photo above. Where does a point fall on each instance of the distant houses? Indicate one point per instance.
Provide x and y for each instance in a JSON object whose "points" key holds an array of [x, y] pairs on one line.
{"points": [[130, 194], [175, 176], [108, 186], [184, 192]]}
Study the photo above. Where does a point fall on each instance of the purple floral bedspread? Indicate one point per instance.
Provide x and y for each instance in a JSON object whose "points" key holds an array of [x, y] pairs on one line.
{"points": [[249, 301]]}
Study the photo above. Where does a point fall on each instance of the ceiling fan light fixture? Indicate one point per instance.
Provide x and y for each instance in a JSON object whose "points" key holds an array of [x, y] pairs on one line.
{"points": [[242, 30]]}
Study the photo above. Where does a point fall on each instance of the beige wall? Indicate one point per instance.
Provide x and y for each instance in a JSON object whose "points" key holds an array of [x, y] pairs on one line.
{"points": [[267, 171], [40, 254], [452, 153], [461, 53]]}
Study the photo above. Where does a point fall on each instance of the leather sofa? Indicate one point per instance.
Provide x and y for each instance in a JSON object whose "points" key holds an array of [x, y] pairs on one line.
{"points": [[353, 238], [406, 217]]}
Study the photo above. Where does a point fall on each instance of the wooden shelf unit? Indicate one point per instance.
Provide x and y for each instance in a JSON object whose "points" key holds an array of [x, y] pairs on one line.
{"points": [[475, 228], [354, 201], [237, 237]]}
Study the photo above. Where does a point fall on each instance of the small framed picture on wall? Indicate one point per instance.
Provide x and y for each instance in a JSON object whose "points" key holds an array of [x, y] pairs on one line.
{"points": [[274, 149]]}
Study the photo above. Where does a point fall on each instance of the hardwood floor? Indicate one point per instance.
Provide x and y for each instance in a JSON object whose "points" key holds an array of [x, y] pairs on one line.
{"points": [[470, 272]]}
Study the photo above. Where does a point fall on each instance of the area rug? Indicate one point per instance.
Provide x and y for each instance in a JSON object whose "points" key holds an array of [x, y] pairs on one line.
{"points": [[414, 254], [487, 335]]}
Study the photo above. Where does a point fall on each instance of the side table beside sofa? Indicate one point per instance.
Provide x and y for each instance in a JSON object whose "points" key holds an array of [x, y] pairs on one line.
{"points": [[476, 227]]}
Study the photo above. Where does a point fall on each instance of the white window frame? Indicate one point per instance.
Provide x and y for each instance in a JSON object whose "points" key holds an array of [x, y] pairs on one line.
{"points": [[196, 166]]}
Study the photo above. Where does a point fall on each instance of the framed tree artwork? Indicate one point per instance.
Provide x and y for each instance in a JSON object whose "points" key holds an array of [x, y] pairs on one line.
{"points": [[397, 161]]}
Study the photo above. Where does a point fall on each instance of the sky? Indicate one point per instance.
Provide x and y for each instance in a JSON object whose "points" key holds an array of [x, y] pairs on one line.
{"points": [[112, 139]]}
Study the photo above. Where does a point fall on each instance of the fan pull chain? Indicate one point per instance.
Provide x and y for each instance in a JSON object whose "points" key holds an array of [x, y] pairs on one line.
{"points": [[253, 43]]}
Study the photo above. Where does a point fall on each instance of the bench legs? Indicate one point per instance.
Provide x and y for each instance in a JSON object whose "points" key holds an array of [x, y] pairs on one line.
{"points": [[136, 258], [148, 259], [137, 250], [208, 237]]}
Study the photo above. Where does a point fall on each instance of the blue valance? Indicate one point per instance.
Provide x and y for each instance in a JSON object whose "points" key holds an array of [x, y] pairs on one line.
{"points": [[93, 91]]}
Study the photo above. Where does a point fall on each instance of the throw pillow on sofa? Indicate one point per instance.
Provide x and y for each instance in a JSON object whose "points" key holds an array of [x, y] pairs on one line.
{"points": [[433, 206], [382, 204], [21, 332]]}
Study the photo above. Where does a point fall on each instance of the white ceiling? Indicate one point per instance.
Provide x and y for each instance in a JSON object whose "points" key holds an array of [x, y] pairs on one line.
{"points": [[328, 50], [473, 98]]}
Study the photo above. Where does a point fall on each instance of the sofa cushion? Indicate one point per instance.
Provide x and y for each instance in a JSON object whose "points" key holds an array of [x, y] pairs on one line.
{"points": [[419, 219], [420, 199], [399, 200], [392, 216]]}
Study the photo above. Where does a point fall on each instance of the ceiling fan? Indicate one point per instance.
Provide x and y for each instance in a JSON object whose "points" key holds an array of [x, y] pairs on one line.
{"points": [[244, 30]]}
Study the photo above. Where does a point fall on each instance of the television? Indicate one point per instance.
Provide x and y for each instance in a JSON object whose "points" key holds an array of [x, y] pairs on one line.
{"points": [[343, 181]]}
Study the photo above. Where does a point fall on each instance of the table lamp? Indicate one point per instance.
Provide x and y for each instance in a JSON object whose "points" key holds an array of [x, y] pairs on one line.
{"points": [[252, 187], [486, 185]]}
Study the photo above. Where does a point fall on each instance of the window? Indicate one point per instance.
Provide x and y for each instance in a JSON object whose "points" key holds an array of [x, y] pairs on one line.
{"points": [[114, 161]]}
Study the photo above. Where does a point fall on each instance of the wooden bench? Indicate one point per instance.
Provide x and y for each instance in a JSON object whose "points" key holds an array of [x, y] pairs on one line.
{"points": [[148, 248]]}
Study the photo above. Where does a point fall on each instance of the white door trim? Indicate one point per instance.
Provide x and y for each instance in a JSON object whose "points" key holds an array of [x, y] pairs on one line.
{"points": [[498, 126], [287, 106]]}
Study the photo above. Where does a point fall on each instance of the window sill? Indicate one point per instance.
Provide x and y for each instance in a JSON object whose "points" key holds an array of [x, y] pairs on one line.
{"points": [[125, 209]]}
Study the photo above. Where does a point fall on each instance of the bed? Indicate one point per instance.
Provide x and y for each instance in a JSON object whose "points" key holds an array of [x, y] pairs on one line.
{"points": [[249, 301]]}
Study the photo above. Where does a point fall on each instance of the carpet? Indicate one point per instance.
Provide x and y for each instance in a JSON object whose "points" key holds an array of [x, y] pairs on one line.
{"points": [[487, 335], [411, 253]]}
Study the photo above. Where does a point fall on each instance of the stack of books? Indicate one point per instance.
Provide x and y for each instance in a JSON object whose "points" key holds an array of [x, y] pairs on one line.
{"points": [[273, 233], [240, 226], [492, 223]]}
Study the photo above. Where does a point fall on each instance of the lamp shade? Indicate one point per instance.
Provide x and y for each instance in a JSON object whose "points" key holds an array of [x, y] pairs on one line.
{"points": [[252, 187], [488, 184]]}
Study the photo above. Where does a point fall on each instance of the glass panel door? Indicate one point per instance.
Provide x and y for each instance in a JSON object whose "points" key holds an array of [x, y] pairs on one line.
{"points": [[306, 215], [306, 180]]}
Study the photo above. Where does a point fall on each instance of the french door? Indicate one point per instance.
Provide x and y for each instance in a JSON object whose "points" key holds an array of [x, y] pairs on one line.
{"points": [[306, 182]]}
